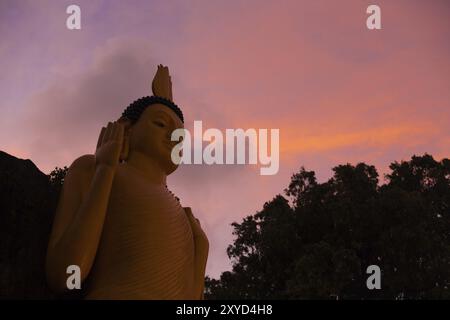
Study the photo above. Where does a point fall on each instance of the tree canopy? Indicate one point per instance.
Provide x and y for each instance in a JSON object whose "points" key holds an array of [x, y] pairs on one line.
{"points": [[317, 240]]}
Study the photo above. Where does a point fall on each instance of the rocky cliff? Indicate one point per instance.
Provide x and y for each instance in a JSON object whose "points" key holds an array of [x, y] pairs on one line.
{"points": [[27, 205]]}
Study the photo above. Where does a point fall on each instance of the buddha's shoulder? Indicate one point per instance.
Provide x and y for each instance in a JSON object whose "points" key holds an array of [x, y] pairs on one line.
{"points": [[84, 164]]}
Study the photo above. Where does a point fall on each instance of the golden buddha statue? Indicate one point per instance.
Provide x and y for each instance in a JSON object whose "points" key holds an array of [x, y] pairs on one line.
{"points": [[117, 221]]}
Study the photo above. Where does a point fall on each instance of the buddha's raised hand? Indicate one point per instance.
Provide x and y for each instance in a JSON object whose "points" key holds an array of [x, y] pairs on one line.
{"points": [[109, 145], [162, 83]]}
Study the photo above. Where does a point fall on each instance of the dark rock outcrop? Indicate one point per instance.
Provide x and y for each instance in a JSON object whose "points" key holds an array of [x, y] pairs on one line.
{"points": [[27, 206]]}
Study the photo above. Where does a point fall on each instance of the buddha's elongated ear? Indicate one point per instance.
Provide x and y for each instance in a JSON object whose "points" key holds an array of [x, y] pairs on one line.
{"points": [[126, 140]]}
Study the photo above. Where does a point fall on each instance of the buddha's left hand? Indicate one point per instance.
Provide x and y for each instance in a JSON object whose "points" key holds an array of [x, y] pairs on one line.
{"points": [[201, 252], [200, 238]]}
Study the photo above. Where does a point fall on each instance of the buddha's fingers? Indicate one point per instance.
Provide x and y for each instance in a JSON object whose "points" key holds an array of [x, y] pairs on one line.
{"points": [[119, 132], [107, 133], [100, 138], [195, 223], [200, 238]]}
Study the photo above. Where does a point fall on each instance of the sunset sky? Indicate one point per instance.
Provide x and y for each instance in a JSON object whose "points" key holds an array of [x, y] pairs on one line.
{"points": [[337, 91]]}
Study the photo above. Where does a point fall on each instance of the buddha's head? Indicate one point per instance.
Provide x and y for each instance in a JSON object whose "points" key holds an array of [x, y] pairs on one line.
{"points": [[148, 130]]}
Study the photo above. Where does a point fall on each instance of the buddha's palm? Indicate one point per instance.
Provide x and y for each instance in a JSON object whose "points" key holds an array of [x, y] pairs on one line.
{"points": [[109, 145]]}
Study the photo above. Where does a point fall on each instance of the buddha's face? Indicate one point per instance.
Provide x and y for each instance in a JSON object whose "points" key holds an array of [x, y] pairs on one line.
{"points": [[151, 135]]}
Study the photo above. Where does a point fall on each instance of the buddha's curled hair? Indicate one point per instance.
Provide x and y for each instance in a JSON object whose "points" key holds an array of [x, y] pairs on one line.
{"points": [[134, 111]]}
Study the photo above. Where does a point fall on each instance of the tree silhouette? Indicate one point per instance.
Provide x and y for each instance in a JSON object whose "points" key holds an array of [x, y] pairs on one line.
{"points": [[56, 177], [318, 241]]}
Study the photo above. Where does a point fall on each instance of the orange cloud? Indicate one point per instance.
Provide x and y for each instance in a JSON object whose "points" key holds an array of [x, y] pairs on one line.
{"points": [[379, 137]]}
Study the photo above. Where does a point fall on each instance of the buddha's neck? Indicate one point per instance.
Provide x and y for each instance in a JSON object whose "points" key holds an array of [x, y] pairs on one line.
{"points": [[148, 168]]}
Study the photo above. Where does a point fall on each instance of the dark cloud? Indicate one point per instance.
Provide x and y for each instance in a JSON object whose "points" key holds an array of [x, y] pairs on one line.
{"points": [[69, 113]]}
